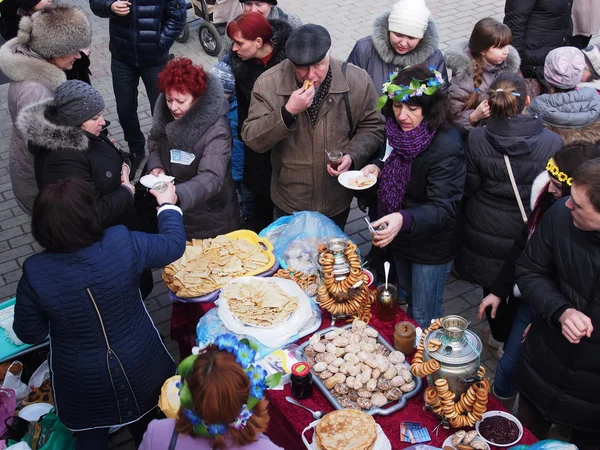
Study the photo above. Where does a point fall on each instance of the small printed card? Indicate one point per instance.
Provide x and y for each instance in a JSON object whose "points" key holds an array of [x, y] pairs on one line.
{"points": [[414, 433], [181, 157]]}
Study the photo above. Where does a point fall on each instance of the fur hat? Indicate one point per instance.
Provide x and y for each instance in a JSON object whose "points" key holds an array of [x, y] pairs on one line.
{"points": [[592, 54], [409, 17], [272, 2], [56, 31], [564, 67]]}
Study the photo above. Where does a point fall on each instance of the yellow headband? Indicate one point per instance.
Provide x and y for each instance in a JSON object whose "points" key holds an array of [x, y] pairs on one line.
{"points": [[557, 173]]}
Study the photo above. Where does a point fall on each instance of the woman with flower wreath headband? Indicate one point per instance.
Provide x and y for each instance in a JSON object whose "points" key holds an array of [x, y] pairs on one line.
{"points": [[493, 219], [421, 179], [222, 402], [551, 185]]}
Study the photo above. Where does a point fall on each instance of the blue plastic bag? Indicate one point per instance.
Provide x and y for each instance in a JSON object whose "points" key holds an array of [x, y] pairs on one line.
{"points": [[546, 444], [295, 239]]}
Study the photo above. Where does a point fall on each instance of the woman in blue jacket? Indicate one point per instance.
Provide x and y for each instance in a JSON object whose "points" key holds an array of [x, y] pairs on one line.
{"points": [[107, 359]]}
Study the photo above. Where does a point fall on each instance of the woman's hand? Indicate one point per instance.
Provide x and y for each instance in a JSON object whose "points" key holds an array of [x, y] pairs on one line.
{"points": [[525, 333], [482, 112], [125, 174], [168, 196], [343, 167], [384, 237], [490, 300], [157, 171], [371, 169]]}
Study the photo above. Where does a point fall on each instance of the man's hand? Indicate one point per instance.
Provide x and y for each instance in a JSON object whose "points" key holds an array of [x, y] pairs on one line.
{"points": [[490, 300], [157, 171], [371, 169], [384, 237], [300, 100], [575, 325], [343, 167], [168, 196], [120, 8]]}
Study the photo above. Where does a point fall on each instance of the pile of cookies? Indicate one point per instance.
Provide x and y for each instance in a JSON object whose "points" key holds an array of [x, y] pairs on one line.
{"points": [[463, 440], [418, 367], [467, 410], [342, 297], [308, 283]]}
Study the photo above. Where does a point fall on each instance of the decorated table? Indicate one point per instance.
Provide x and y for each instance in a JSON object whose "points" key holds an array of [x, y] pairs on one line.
{"points": [[288, 421]]}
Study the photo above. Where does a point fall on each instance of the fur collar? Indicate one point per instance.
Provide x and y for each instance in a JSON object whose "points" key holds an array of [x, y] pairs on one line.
{"points": [[184, 133], [381, 41], [459, 60], [19, 63], [41, 132], [537, 188]]}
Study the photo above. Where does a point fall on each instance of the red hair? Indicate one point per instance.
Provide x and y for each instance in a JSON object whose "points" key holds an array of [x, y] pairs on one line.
{"points": [[219, 388], [183, 76], [251, 25]]}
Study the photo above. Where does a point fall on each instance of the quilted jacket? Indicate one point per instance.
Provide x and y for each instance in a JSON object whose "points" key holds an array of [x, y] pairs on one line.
{"points": [[143, 37], [107, 359]]}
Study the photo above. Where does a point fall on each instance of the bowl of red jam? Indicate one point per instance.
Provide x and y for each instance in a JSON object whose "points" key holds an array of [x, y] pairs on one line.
{"points": [[499, 428]]}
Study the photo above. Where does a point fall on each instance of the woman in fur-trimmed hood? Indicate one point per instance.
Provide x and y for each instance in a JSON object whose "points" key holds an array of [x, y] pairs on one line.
{"points": [[405, 36], [47, 44]]}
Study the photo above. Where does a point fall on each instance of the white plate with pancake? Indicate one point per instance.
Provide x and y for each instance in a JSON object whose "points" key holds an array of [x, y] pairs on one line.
{"points": [[355, 180]]}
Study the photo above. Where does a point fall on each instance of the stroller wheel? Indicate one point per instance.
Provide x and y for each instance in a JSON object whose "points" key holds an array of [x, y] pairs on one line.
{"points": [[185, 34], [210, 39]]}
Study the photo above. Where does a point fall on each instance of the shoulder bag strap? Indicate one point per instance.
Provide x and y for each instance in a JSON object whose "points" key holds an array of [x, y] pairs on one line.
{"points": [[515, 190], [351, 133], [173, 442]]}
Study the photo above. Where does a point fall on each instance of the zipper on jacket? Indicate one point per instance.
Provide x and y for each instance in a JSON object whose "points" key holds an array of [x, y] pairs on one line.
{"points": [[133, 10], [110, 353]]}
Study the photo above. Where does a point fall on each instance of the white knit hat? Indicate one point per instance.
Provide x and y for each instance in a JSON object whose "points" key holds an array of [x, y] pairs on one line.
{"points": [[409, 17]]}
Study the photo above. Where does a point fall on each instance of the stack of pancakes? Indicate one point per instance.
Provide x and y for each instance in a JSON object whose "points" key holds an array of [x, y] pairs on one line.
{"points": [[346, 429]]}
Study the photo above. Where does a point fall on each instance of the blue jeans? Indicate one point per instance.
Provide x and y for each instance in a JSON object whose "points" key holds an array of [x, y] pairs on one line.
{"points": [[126, 79], [504, 384], [424, 286]]}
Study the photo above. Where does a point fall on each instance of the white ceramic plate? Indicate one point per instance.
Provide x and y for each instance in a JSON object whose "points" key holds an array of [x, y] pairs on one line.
{"points": [[347, 177], [150, 180], [507, 416], [32, 413], [448, 442]]}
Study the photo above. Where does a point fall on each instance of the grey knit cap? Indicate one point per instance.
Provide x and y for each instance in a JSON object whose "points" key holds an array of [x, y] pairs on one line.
{"points": [[308, 44], [56, 31], [77, 102]]}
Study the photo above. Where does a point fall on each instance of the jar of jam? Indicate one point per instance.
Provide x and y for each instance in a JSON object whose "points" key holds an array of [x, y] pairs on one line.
{"points": [[404, 337], [302, 381]]}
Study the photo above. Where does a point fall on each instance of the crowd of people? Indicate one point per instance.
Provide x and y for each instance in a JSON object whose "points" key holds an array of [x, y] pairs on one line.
{"points": [[493, 171]]}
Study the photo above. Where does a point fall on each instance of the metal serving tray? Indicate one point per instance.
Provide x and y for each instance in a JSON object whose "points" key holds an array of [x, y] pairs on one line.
{"points": [[383, 411]]}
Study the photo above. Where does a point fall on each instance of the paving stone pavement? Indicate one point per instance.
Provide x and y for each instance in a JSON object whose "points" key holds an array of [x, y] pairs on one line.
{"points": [[347, 21]]}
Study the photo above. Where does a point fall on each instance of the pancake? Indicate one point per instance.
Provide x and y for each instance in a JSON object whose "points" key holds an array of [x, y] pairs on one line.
{"points": [[346, 429]]}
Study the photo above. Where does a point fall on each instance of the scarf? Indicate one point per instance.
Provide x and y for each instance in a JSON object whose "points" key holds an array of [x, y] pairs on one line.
{"points": [[396, 171], [319, 98]]}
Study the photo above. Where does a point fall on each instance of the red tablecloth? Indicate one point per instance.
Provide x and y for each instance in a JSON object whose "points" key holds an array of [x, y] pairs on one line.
{"points": [[288, 421]]}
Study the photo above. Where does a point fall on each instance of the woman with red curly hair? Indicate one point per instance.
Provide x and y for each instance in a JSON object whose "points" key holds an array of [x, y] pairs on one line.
{"points": [[222, 404], [191, 141]]}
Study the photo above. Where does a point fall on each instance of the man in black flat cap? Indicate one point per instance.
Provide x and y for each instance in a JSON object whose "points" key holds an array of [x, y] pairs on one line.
{"points": [[337, 112]]}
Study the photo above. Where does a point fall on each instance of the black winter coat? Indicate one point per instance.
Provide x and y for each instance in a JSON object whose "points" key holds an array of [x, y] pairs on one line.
{"points": [[432, 197], [560, 269], [538, 26], [492, 219], [62, 151], [143, 37], [257, 166], [107, 359]]}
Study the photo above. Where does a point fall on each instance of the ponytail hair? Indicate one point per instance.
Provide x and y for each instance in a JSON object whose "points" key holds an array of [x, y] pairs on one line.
{"points": [[507, 96], [487, 33]]}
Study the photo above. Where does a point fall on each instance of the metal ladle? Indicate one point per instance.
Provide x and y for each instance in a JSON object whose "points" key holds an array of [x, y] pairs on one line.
{"points": [[316, 414]]}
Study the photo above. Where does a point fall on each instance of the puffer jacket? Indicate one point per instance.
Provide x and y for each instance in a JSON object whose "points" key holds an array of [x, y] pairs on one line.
{"points": [[538, 26], [204, 184], [300, 181], [33, 79], [257, 166], [572, 115], [559, 269], [462, 85], [62, 151], [107, 360], [143, 37], [376, 55], [493, 220], [237, 151]]}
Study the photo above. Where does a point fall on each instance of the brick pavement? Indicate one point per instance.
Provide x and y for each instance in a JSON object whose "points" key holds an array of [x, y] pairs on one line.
{"points": [[347, 21]]}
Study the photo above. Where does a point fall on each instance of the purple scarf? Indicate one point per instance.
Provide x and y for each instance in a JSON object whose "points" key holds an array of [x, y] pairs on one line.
{"points": [[396, 171]]}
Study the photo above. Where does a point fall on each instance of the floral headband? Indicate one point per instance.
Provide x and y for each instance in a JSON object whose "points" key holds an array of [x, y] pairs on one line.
{"points": [[244, 355], [557, 173], [416, 88]]}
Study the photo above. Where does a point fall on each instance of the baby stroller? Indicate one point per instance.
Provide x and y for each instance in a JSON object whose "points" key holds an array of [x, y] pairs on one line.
{"points": [[214, 16]]}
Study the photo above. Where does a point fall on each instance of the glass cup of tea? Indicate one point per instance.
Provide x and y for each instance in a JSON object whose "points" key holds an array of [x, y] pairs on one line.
{"points": [[160, 186], [335, 159]]}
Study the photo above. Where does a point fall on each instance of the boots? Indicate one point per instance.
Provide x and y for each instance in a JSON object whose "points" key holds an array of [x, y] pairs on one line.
{"points": [[508, 403]]}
